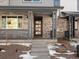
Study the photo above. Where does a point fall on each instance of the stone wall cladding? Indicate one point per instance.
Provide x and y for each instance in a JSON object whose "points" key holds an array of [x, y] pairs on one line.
{"points": [[47, 26], [61, 27]]}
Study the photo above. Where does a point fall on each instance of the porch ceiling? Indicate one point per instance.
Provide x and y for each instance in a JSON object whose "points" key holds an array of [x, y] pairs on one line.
{"points": [[42, 9], [67, 13]]}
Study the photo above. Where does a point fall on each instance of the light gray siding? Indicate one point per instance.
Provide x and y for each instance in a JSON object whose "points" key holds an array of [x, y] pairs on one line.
{"points": [[27, 3], [77, 5], [22, 3]]}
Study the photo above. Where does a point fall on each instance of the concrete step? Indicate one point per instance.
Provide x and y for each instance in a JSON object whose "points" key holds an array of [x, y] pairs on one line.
{"points": [[43, 57], [39, 49], [39, 46], [39, 43], [40, 54]]}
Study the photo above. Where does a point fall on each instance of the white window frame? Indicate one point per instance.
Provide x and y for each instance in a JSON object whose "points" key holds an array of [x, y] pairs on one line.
{"points": [[32, 1], [7, 18]]}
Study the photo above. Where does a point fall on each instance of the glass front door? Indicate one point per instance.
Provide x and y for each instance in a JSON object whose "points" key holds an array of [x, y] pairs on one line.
{"points": [[37, 27]]}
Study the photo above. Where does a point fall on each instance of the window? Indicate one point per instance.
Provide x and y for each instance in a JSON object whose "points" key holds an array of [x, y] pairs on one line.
{"points": [[31, 0], [11, 22], [56, 2], [76, 25]]}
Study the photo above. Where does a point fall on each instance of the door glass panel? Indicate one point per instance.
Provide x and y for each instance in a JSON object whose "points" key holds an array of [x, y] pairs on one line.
{"points": [[38, 22], [38, 26], [38, 33]]}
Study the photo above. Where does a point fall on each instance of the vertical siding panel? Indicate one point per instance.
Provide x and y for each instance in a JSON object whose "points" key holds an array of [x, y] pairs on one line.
{"points": [[22, 3]]}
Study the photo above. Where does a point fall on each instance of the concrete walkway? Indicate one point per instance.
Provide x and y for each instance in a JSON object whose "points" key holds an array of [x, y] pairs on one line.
{"points": [[39, 49]]}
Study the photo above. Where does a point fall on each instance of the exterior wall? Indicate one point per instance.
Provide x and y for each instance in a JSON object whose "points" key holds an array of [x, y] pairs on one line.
{"points": [[15, 33], [47, 26], [78, 5], [61, 27], [22, 3], [27, 3], [23, 33], [69, 5]]}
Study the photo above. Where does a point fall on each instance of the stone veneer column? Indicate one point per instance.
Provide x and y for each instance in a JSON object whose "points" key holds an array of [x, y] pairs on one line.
{"points": [[30, 19], [54, 18]]}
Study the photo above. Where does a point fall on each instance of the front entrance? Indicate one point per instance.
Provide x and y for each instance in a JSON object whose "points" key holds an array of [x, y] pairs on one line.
{"points": [[37, 27]]}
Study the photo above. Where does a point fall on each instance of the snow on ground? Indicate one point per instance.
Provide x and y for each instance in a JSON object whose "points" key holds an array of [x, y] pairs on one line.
{"points": [[74, 44], [53, 52], [52, 47], [61, 58], [27, 56]]}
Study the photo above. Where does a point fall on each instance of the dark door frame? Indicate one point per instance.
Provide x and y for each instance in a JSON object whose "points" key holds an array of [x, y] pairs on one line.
{"points": [[38, 18], [72, 21]]}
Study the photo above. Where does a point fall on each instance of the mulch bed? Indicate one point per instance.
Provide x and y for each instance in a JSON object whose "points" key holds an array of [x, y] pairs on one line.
{"points": [[12, 51], [63, 49]]}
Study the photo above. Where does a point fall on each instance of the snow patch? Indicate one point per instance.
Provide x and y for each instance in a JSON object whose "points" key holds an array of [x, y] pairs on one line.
{"points": [[52, 47], [27, 56], [52, 52], [61, 57]]}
